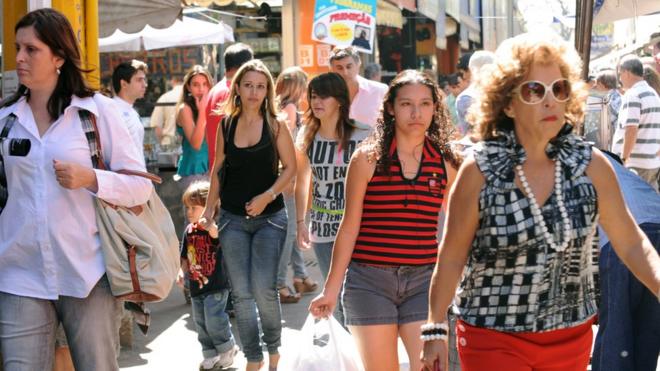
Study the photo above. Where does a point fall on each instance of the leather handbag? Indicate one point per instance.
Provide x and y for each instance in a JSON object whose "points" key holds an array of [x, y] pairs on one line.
{"points": [[140, 245]]}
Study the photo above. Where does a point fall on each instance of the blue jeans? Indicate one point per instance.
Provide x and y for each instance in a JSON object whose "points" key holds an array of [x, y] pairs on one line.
{"points": [[251, 248], [629, 320], [212, 323], [323, 252], [290, 251], [91, 324]]}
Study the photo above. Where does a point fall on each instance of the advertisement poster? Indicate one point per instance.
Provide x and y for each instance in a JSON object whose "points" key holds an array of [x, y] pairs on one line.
{"points": [[345, 23]]}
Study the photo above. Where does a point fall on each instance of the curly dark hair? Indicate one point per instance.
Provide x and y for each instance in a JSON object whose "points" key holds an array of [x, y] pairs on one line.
{"points": [[439, 132]]}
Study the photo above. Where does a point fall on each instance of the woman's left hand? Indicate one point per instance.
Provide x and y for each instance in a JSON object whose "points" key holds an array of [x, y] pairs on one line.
{"points": [[257, 204], [74, 176]]}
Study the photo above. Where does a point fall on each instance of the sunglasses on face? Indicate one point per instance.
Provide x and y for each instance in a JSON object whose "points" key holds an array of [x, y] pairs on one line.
{"points": [[533, 92]]}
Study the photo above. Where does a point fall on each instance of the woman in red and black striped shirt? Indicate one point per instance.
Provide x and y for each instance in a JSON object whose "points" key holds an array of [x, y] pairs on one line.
{"points": [[386, 245]]}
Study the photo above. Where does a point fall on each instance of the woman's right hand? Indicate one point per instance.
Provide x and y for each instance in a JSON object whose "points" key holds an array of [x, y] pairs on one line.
{"points": [[435, 350], [200, 102], [323, 305], [303, 236]]}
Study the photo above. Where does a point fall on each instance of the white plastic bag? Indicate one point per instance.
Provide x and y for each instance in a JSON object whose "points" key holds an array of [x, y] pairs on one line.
{"points": [[323, 345]]}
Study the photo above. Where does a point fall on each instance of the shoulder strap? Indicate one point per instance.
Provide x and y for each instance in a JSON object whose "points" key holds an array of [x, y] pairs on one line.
{"points": [[88, 121], [9, 123], [226, 122], [91, 130]]}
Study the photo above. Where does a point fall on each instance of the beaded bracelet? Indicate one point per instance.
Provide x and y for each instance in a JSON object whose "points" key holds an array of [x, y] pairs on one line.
{"points": [[437, 331], [433, 337], [433, 326]]}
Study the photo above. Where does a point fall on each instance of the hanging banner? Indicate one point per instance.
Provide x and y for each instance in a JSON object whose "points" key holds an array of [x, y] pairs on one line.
{"points": [[345, 23]]}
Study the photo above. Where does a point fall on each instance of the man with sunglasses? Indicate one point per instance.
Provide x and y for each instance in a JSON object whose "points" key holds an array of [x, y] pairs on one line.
{"points": [[637, 135]]}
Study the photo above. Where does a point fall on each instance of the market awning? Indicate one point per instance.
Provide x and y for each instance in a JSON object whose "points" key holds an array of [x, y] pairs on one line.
{"points": [[388, 14], [131, 16], [614, 10], [186, 32], [272, 3], [405, 4]]}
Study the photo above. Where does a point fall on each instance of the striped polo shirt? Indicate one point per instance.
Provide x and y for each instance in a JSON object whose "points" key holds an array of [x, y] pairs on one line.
{"points": [[400, 216], [640, 106]]}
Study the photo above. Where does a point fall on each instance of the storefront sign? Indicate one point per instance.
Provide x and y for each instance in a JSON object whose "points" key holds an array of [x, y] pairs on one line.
{"points": [[345, 23]]}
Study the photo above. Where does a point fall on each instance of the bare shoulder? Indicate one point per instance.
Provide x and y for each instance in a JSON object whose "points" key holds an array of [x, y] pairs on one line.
{"points": [[363, 160], [469, 179], [599, 163], [470, 171]]}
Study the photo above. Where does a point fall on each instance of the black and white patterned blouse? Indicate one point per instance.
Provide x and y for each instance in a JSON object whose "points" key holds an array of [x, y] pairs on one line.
{"points": [[515, 281]]}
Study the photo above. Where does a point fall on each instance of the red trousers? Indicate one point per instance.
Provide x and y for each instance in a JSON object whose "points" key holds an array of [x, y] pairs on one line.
{"points": [[560, 350]]}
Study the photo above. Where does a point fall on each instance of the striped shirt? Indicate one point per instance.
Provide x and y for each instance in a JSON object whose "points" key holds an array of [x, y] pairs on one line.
{"points": [[400, 216], [640, 107]]}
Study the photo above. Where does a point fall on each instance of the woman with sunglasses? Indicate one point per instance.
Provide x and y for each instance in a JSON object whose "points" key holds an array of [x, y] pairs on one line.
{"points": [[523, 216]]}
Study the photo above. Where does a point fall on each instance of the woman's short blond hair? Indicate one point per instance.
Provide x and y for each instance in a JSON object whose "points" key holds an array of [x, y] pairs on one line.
{"points": [[514, 59]]}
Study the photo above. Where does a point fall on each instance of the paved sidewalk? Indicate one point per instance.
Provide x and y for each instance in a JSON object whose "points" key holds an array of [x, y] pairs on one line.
{"points": [[171, 343]]}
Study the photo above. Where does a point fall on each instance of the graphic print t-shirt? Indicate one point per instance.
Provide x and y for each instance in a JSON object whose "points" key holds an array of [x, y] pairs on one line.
{"points": [[329, 163], [205, 271]]}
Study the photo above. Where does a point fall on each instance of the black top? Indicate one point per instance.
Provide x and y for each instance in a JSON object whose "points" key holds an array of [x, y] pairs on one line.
{"points": [[204, 258], [249, 171]]}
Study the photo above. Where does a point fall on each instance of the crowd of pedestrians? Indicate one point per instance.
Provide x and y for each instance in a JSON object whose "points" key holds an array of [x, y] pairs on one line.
{"points": [[364, 174]]}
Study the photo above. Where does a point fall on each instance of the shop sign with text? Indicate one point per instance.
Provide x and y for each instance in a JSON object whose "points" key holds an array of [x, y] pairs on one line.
{"points": [[345, 23]]}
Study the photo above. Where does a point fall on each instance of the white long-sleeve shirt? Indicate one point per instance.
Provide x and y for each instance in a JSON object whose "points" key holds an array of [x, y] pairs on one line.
{"points": [[49, 243], [132, 120]]}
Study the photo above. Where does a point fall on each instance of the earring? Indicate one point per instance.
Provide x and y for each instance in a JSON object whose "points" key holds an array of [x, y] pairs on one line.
{"points": [[58, 70], [237, 100]]}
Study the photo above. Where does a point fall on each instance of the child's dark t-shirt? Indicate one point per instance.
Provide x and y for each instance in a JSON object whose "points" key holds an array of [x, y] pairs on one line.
{"points": [[206, 273]]}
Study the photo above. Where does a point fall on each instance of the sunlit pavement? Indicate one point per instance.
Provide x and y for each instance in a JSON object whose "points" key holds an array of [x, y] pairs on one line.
{"points": [[171, 343]]}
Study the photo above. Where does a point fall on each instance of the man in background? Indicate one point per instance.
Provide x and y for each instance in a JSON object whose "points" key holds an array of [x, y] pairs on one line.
{"points": [[163, 117], [456, 85], [129, 81], [366, 95], [372, 71], [637, 136], [234, 57], [478, 60]]}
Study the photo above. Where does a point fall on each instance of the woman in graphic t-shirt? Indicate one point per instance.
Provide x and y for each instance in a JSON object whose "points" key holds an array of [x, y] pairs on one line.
{"points": [[324, 147]]}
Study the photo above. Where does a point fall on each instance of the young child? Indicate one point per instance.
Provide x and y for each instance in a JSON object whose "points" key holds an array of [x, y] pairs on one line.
{"points": [[201, 259]]}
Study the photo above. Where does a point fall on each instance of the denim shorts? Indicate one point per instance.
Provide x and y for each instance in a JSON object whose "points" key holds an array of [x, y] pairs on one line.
{"points": [[378, 295]]}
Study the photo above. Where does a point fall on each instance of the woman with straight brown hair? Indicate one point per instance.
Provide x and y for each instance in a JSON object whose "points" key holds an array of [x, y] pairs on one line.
{"points": [[250, 145], [191, 126], [324, 147]]}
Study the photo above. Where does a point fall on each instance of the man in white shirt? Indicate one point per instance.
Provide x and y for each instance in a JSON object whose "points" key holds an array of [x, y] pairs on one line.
{"points": [[637, 136], [163, 117], [366, 95], [129, 81]]}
